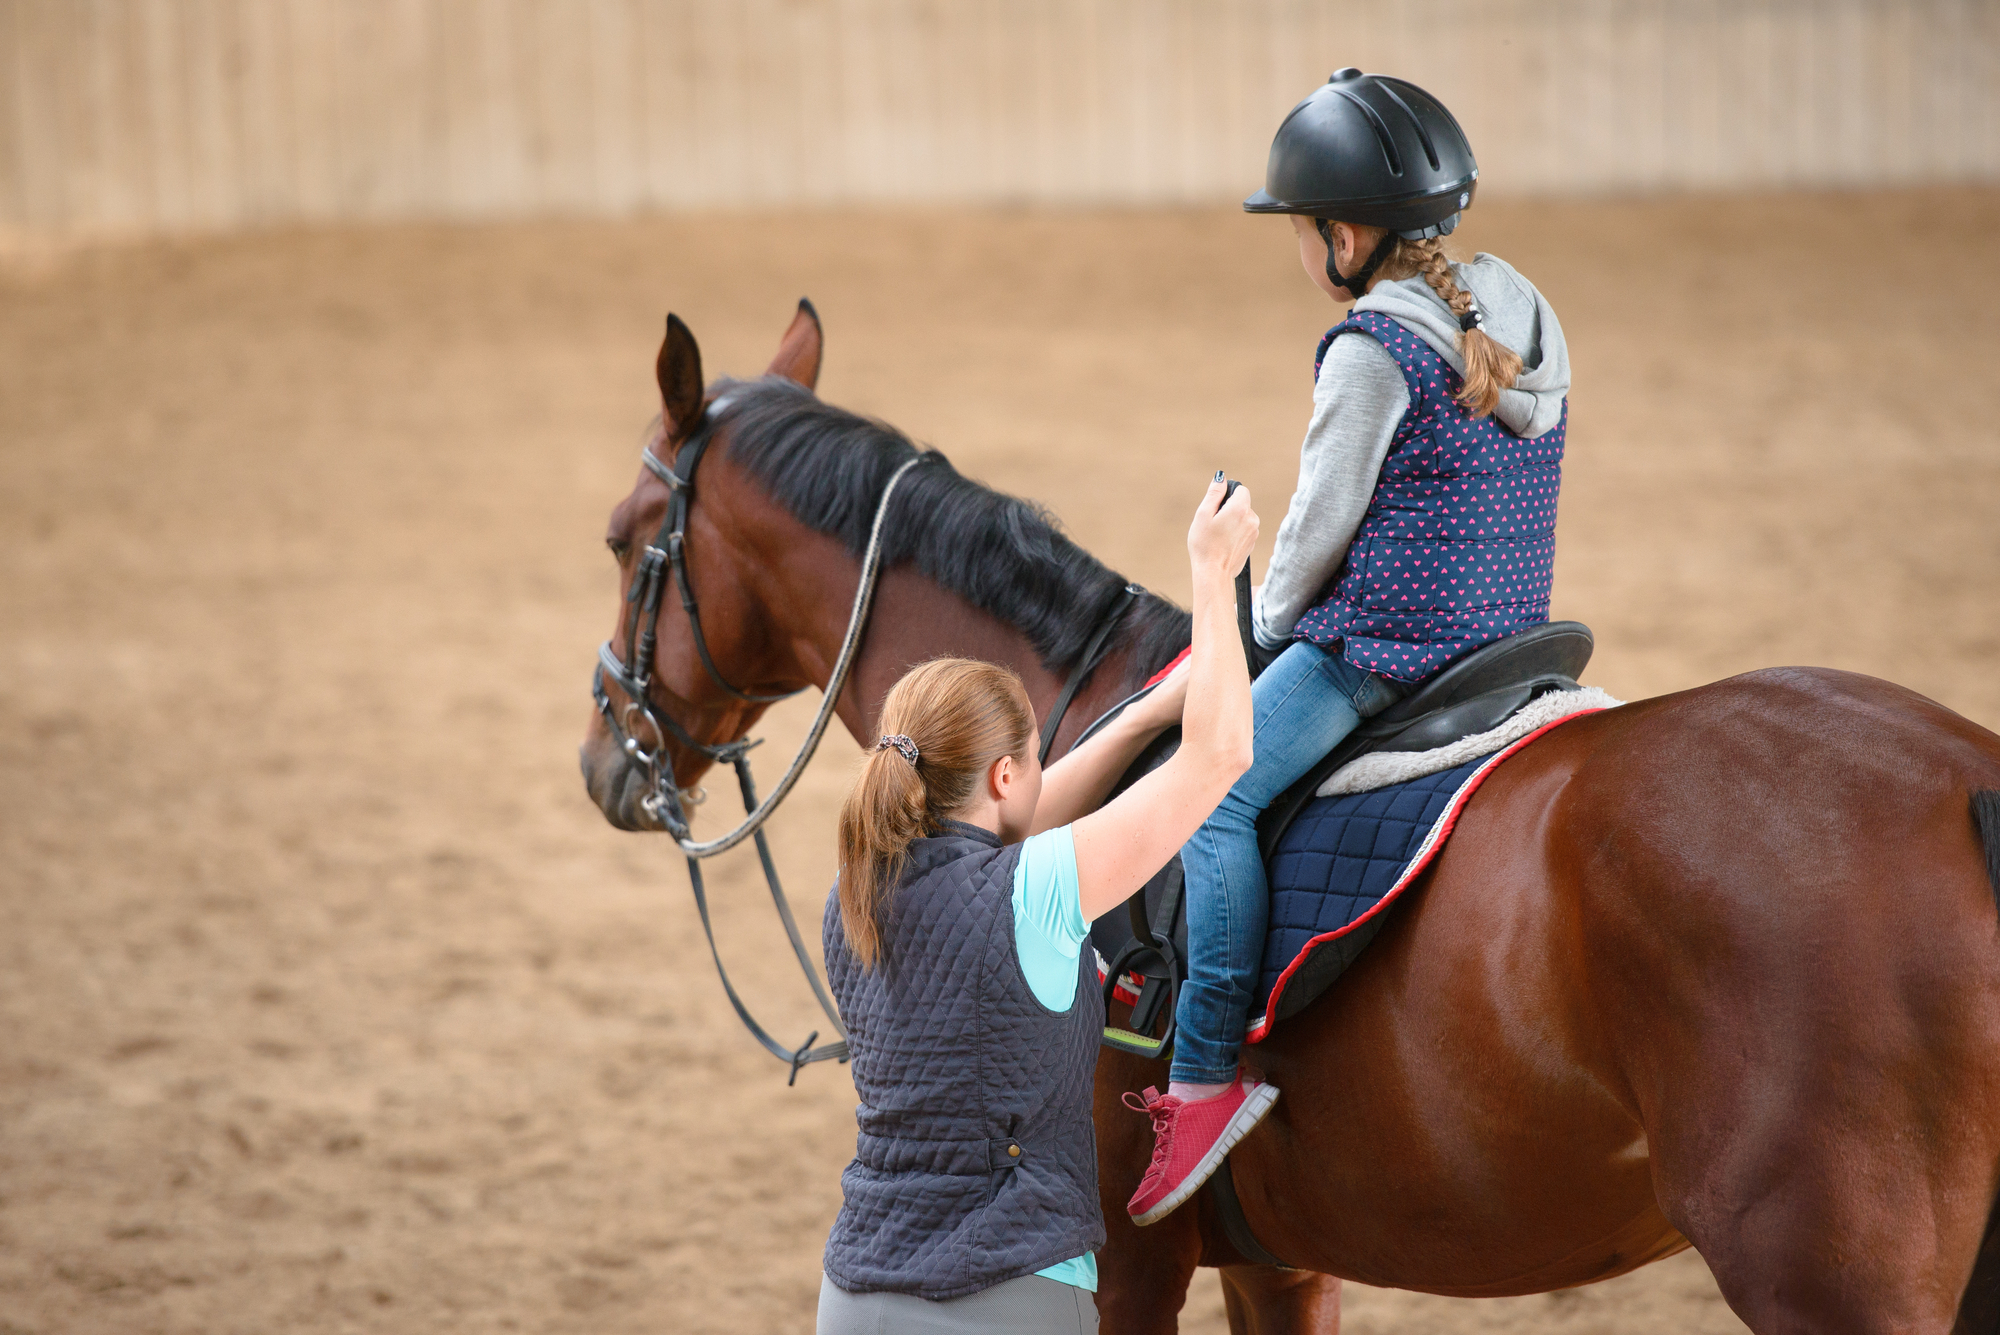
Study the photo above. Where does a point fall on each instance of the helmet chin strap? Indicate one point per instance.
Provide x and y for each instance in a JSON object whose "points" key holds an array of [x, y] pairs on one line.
{"points": [[1358, 284]]}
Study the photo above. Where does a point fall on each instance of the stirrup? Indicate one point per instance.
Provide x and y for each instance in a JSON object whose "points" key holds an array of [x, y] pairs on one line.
{"points": [[1150, 938], [1145, 1011]]}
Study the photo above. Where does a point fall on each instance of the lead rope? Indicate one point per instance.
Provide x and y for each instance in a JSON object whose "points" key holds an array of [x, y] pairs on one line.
{"points": [[756, 813]]}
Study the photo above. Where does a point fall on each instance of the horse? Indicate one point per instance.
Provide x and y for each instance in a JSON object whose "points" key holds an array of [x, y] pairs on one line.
{"points": [[1720, 968]]}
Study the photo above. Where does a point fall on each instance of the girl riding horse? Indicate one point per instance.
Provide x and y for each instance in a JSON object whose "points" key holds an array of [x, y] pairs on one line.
{"points": [[1423, 526]]}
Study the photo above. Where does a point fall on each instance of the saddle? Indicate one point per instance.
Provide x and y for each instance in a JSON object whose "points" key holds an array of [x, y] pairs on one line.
{"points": [[1148, 937]]}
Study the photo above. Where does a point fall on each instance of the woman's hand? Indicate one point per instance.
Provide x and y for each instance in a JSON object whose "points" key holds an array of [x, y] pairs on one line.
{"points": [[1221, 536], [1161, 708], [1077, 784]]}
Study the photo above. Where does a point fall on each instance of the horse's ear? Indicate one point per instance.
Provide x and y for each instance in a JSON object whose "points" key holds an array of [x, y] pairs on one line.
{"points": [[681, 385], [798, 351]]}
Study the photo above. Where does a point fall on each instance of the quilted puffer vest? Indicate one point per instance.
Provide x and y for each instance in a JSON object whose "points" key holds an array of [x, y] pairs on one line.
{"points": [[976, 1161], [1458, 546]]}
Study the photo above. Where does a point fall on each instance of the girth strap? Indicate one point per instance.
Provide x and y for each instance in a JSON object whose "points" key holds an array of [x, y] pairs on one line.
{"points": [[1229, 1210]]}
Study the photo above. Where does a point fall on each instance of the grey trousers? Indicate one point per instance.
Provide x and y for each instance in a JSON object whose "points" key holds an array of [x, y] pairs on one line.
{"points": [[1030, 1305]]}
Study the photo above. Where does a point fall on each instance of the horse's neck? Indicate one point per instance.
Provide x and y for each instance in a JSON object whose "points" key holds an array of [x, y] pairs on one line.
{"points": [[914, 620], [812, 579]]}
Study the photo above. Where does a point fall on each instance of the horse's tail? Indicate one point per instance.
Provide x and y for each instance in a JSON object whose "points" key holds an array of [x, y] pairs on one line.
{"points": [[1979, 1309]]}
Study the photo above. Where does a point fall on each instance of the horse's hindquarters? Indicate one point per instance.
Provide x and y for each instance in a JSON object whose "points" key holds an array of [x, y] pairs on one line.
{"points": [[1806, 991]]}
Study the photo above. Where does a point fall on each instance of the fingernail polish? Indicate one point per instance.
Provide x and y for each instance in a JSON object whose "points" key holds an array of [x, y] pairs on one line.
{"points": [[1218, 475]]}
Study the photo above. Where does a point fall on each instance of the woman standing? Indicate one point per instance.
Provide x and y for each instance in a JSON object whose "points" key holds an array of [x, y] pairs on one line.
{"points": [[954, 942]]}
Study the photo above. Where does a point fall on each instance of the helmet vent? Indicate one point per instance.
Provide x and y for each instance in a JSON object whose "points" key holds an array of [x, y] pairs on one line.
{"points": [[1430, 149], [1382, 134]]}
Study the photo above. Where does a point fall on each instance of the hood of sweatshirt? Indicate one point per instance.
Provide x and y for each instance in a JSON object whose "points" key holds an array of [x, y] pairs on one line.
{"points": [[1516, 314]]}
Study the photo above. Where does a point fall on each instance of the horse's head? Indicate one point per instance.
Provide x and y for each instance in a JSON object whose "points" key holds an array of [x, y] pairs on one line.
{"points": [[689, 665]]}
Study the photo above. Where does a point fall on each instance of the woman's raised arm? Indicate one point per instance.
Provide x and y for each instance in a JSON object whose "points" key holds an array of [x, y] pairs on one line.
{"points": [[1120, 847]]}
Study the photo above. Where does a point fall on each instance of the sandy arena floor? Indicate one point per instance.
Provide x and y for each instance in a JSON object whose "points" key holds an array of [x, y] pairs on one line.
{"points": [[327, 1000]]}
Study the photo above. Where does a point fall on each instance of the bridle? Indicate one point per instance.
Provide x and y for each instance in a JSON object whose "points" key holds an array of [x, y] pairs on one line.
{"points": [[665, 800]]}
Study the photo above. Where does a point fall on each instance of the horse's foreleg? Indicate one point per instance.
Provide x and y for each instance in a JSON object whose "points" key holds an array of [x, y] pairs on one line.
{"points": [[1264, 1300], [1142, 1273]]}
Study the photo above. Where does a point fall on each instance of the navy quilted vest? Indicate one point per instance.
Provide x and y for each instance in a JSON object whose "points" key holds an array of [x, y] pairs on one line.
{"points": [[1458, 546], [976, 1161]]}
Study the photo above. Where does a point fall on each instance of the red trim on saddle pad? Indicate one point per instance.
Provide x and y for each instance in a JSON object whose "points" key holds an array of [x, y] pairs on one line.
{"points": [[1161, 675], [1261, 1026]]}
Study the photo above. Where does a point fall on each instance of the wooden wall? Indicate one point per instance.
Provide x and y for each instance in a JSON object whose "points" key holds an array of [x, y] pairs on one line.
{"points": [[176, 114]]}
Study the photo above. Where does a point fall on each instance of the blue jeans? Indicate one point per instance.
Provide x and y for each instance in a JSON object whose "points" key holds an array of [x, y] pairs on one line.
{"points": [[1302, 705]]}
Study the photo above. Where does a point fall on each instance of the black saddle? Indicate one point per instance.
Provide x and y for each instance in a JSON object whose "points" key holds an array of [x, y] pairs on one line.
{"points": [[1479, 692]]}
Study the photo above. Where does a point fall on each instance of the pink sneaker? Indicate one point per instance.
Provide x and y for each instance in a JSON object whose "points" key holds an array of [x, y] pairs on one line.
{"points": [[1191, 1138]]}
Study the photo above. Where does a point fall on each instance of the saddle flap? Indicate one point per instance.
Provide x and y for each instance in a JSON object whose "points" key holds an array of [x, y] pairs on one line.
{"points": [[1476, 694]]}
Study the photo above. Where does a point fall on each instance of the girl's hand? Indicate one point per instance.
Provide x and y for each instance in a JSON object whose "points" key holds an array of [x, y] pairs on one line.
{"points": [[1221, 536]]}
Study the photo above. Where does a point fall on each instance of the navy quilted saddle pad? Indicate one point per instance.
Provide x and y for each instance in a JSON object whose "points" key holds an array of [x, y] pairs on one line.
{"points": [[1336, 872]]}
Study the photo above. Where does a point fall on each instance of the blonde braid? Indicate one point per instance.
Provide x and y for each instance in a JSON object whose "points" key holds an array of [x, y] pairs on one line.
{"points": [[1490, 366]]}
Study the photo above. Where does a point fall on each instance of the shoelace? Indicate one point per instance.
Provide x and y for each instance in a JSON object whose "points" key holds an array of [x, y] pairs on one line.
{"points": [[1163, 1123]]}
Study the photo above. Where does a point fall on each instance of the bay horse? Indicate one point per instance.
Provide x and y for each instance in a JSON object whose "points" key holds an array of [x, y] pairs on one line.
{"points": [[1719, 968]]}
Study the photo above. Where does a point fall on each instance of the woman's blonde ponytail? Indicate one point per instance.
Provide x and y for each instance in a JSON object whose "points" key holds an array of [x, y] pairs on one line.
{"points": [[1490, 365], [943, 724]]}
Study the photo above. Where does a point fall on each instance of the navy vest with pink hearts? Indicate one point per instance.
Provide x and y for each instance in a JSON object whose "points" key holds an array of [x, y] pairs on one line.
{"points": [[1458, 546]]}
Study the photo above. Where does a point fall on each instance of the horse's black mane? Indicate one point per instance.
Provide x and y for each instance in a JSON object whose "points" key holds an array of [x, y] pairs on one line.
{"points": [[1004, 555]]}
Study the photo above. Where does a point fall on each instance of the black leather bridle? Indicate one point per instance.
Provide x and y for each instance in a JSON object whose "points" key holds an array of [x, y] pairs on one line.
{"points": [[665, 801], [666, 556]]}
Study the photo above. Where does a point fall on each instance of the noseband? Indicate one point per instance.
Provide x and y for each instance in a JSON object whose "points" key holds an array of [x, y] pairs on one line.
{"points": [[665, 800]]}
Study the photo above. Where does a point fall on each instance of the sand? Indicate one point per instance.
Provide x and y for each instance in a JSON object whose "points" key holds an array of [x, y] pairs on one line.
{"points": [[327, 1000]]}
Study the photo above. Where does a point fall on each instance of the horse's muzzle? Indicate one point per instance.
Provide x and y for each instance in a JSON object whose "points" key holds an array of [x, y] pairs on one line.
{"points": [[615, 782]]}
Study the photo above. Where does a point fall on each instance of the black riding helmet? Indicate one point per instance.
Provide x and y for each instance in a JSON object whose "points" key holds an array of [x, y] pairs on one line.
{"points": [[1369, 149]]}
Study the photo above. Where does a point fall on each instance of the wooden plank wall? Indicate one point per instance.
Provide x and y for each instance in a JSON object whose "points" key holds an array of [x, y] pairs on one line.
{"points": [[192, 114]]}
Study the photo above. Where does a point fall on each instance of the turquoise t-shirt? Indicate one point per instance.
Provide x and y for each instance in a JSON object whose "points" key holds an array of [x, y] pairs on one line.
{"points": [[1049, 932]]}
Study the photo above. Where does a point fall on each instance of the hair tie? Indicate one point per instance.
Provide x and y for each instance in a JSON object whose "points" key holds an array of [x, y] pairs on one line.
{"points": [[1471, 320], [902, 744]]}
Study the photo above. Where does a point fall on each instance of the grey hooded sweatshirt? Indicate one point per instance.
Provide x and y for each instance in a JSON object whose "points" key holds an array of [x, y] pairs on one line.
{"points": [[1359, 402]]}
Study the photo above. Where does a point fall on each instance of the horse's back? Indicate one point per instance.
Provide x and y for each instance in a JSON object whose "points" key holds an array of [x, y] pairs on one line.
{"points": [[1774, 835]]}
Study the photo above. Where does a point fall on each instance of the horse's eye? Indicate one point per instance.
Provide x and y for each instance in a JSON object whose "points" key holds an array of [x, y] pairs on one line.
{"points": [[618, 547]]}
